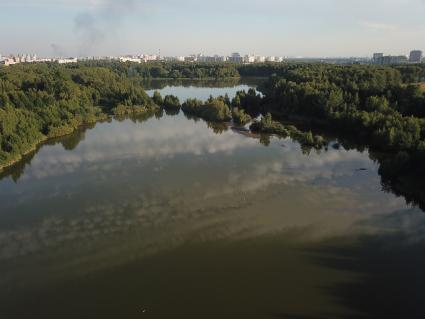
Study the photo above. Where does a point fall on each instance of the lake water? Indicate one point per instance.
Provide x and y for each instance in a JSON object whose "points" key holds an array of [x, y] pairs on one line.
{"points": [[168, 217], [202, 90]]}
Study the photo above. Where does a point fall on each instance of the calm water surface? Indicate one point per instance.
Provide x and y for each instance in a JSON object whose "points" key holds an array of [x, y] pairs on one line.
{"points": [[174, 218], [202, 90]]}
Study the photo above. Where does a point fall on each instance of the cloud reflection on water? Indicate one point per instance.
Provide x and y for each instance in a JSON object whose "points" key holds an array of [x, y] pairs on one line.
{"points": [[159, 186], [120, 141]]}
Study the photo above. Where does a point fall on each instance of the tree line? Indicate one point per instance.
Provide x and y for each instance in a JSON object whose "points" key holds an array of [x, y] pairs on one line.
{"points": [[373, 106], [167, 70], [38, 101], [45, 100]]}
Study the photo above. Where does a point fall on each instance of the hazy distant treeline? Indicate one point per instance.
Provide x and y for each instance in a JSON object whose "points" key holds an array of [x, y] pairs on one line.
{"points": [[291, 71]]}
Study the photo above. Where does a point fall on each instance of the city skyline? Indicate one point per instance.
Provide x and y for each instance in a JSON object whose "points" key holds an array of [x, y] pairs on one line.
{"points": [[414, 55], [306, 28]]}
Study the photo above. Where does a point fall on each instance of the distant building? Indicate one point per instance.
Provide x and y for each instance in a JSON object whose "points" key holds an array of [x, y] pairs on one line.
{"points": [[390, 59], [377, 58], [236, 58], [44, 60], [415, 56], [204, 58], [130, 59], [190, 58], [66, 61], [20, 58], [10, 61], [398, 59], [221, 58], [249, 59], [215, 58], [171, 59], [150, 57], [4, 62]]}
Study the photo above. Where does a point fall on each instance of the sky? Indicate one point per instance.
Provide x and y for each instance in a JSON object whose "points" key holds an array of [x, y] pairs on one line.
{"points": [[309, 28]]}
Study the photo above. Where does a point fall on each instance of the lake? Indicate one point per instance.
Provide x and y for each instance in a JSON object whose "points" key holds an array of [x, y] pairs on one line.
{"points": [[202, 90], [170, 217]]}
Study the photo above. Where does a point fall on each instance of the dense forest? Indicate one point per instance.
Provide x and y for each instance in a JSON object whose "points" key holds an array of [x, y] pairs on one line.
{"points": [[290, 71], [372, 103], [40, 101], [375, 107], [169, 70], [382, 106]]}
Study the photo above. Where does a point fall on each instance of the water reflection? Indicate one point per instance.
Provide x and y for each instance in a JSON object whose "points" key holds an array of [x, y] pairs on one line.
{"points": [[185, 89], [119, 142], [155, 84], [178, 216], [166, 180]]}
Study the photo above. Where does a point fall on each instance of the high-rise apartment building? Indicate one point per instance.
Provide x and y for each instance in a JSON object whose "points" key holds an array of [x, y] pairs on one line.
{"points": [[415, 56]]}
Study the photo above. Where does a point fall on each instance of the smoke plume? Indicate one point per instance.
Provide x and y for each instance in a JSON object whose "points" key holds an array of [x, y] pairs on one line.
{"points": [[95, 26], [57, 50]]}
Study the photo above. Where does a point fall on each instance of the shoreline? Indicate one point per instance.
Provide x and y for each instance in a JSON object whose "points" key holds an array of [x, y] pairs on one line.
{"points": [[206, 79], [46, 139], [14, 161], [69, 131]]}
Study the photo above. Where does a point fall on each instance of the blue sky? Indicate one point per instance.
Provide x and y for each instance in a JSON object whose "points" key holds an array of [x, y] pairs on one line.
{"points": [[179, 27]]}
